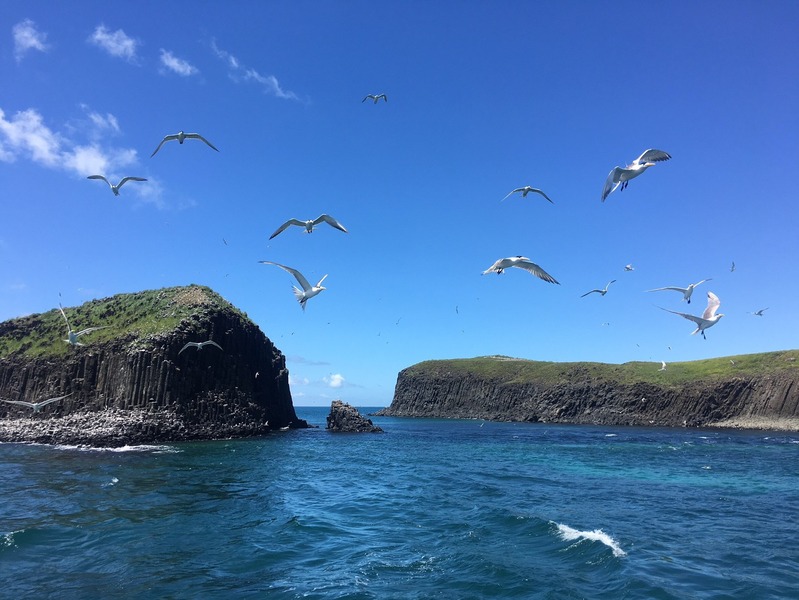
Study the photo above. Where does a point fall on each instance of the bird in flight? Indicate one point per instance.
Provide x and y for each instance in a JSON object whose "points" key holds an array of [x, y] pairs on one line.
{"points": [[526, 190], [520, 262], [629, 268], [115, 188], [36, 406], [759, 313], [199, 345], [180, 136], [708, 318], [620, 176], [686, 292], [308, 291], [375, 97], [72, 336], [309, 225], [602, 292], [662, 365]]}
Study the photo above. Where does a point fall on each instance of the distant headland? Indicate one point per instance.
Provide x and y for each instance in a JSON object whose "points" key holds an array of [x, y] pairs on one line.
{"points": [[758, 391]]}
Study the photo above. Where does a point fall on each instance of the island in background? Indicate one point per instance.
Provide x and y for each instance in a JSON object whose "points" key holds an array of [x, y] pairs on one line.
{"points": [[748, 391]]}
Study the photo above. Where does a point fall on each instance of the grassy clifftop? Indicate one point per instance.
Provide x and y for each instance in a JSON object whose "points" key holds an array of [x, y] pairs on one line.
{"points": [[133, 317], [517, 370]]}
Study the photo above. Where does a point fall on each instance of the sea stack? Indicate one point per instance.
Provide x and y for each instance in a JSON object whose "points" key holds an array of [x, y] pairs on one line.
{"points": [[346, 418]]}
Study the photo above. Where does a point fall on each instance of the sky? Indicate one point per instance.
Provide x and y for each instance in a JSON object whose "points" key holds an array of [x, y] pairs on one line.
{"points": [[483, 98]]}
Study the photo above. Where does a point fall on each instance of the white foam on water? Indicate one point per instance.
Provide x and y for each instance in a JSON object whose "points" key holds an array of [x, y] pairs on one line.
{"points": [[611, 435], [597, 535], [137, 448]]}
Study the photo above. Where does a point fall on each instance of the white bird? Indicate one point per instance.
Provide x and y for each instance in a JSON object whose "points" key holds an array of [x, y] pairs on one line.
{"points": [[72, 336], [526, 190], [520, 262], [115, 188], [629, 268], [759, 313], [662, 365], [36, 406], [199, 345], [622, 175], [181, 136], [375, 97], [309, 225], [708, 318], [602, 291], [686, 292], [307, 291]]}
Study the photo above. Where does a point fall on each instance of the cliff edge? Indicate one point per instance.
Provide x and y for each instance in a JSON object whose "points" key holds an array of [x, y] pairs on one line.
{"points": [[132, 382], [751, 391]]}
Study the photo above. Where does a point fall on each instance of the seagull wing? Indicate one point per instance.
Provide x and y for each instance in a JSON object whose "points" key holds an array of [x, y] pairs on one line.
{"points": [[611, 183], [51, 400], [63, 314], [671, 288], [367, 97], [496, 266], [609, 282], [167, 138], [99, 177], [299, 276], [197, 136], [90, 329], [126, 179], [189, 345], [286, 225], [331, 221], [591, 292], [537, 191], [512, 192], [695, 319], [713, 304], [384, 97], [18, 402], [651, 155], [703, 281], [212, 343], [533, 268]]}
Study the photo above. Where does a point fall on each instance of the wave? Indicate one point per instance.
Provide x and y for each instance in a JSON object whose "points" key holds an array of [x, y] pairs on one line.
{"points": [[597, 535], [156, 449]]}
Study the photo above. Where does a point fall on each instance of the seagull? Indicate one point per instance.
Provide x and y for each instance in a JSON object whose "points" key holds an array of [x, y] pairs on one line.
{"points": [[375, 97], [759, 313], [602, 291], [199, 345], [708, 318], [115, 188], [181, 137], [686, 292], [522, 263], [662, 365], [621, 176], [36, 406], [629, 268], [309, 225], [307, 291], [732, 267], [72, 337], [526, 190]]}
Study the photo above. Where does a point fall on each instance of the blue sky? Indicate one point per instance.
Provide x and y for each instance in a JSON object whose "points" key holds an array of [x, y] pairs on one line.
{"points": [[482, 98]]}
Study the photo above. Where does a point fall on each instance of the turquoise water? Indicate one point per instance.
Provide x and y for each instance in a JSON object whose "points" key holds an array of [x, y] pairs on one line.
{"points": [[430, 509]]}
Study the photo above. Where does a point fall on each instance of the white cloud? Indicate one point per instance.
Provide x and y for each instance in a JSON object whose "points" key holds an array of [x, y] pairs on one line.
{"points": [[177, 65], [238, 72], [335, 381], [298, 380], [27, 37], [102, 122], [26, 133], [116, 43]]}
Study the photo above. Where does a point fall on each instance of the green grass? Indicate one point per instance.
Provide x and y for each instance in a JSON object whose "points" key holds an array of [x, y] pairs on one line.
{"points": [[133, 318], [517, 370]]}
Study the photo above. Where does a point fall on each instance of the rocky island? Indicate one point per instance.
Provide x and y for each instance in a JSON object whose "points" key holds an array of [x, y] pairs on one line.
{"points": [[133, 382], [748, 391]]}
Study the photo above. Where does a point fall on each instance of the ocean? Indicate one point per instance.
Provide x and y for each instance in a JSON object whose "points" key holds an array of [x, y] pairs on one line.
{"points": [[429, 509]]}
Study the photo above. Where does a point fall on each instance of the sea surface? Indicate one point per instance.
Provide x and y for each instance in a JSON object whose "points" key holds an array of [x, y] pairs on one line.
{"points": [[430, 509]]}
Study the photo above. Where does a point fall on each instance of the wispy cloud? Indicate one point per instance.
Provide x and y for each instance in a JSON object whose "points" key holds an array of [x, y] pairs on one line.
{"points": [[241, 73], [27, 37], [293, 381], [177, 65], [301, 360], [335, 381], [116, 43]]}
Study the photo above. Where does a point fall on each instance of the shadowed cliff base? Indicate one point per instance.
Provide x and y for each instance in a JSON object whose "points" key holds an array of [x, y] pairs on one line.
{"points": [[748, 391], [133, 381]]}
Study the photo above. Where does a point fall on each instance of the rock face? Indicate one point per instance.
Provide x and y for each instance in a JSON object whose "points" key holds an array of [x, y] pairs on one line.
{"points": [[130, 383], [344, 417], [591, 394]]}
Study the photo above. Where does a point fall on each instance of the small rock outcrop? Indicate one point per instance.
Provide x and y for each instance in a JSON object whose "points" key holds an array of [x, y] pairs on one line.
{"points": [[346, 418], [132, 381]]}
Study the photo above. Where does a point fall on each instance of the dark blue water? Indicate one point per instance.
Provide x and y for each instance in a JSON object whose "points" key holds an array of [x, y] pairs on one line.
{"points": [[430, 509]]}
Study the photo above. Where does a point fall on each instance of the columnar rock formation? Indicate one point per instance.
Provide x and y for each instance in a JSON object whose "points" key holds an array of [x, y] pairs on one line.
{"points": [[344, 417], [133, 377]]}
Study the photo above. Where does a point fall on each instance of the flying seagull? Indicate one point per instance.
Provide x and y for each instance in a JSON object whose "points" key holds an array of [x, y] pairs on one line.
{"points": [[686, 292], [602, 291], [662, 365], [72, 337], [115, 188], [708, 318], [759, 313], [629, 268], [622, 175], [522, 263], [309, 225], [526, 190], [732, 267], [180, 136], [36, 406], [307, 291], [199, 345], [375, 97]]}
